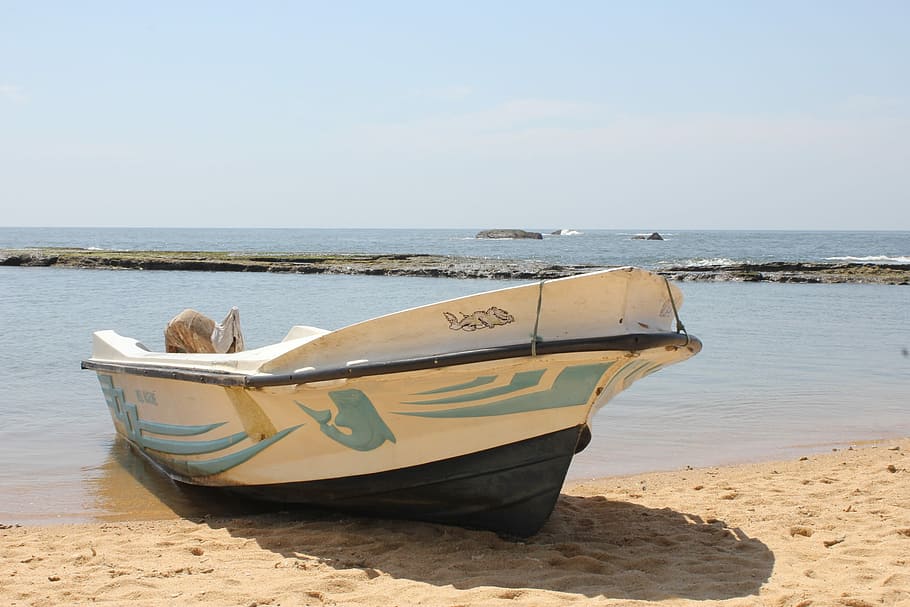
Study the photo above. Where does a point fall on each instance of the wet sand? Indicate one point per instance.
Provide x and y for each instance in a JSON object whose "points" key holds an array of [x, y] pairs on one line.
{"points": [[829, 529]]}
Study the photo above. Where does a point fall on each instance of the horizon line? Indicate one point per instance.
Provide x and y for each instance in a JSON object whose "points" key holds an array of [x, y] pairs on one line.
{"points": [[546, 231]]}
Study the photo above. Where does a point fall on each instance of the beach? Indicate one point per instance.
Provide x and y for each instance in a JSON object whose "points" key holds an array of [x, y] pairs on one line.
{"points": [[84, 521], [823, 529]]}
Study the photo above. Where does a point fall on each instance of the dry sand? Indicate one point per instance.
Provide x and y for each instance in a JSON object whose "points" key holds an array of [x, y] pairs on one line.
{"points": [[831, 529]]}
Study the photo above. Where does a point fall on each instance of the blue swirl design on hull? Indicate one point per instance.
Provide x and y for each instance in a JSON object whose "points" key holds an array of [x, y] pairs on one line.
{"points": [[179, 447], [366, 430], [136, 431], [480, 381], [211, 467], [572, 387], [520, 381]]}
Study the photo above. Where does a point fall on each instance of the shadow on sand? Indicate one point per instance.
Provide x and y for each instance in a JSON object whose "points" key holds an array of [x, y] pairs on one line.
{"points": [[590, 546]]}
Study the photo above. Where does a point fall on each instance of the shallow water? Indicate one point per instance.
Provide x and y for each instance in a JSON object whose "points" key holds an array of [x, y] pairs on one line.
{"points": [[785, 369]]}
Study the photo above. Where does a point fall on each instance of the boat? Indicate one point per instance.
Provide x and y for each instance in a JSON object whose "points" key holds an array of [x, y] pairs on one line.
{"points": [[465, 412]]}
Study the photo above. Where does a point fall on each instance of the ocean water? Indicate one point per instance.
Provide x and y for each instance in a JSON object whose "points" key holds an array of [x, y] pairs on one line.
{"points": [[786, 369], [597, 247]]}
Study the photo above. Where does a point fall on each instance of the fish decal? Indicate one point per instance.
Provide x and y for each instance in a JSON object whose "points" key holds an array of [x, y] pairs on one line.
{"points": [[481, 319], [367, 431]]}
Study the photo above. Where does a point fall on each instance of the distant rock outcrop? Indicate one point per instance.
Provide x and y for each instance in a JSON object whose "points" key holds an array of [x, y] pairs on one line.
{"points": [[509, 234], [653, 236]]}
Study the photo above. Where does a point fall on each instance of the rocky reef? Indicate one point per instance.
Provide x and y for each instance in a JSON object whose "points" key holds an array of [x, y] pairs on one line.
{"points": [[296, 263], [440, 266], [794, 271]]}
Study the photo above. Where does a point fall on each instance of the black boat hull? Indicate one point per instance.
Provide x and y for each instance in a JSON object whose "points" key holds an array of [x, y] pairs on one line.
{"points": [[510, 489]]}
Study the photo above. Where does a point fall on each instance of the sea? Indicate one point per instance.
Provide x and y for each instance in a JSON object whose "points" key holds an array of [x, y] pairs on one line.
{"points": [[787, 369]]}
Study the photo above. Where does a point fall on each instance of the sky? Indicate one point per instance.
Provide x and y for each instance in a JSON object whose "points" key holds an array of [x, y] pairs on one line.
{"points": [[492, 114]]}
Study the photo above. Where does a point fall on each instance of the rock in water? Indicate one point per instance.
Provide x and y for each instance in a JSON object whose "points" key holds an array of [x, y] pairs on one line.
{"points": [[509, 234]]}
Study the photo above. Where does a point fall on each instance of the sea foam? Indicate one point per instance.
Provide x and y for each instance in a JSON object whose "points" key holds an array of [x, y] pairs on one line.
{"points": [[871, 259]]}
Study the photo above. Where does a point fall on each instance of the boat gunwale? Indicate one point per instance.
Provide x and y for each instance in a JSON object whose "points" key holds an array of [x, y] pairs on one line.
{"points": [[631, 342]]}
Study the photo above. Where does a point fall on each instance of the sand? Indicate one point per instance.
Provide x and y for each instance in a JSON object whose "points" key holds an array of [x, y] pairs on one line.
{"points": [[830, 529]]}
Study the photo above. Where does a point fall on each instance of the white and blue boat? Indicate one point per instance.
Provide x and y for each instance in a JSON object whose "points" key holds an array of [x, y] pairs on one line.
{"points": [[464, 412]]}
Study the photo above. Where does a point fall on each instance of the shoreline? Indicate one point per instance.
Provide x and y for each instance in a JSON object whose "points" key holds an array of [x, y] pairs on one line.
{"points": [[441, 266], [824, 529]]}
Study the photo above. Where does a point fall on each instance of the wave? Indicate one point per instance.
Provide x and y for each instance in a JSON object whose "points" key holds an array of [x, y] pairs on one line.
{"points": [[726, 261], [701, 263], [871, 259], [567, 232]]}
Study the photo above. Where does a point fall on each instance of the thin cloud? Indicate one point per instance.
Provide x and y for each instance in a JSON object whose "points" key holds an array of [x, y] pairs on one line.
{"points": [[873, 104], [541, 126], [12, 92], [515, 119], [455, 92]]}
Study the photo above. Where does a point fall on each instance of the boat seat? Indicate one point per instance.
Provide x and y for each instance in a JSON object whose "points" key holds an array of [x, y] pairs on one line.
{"points": [[192, 332]]}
